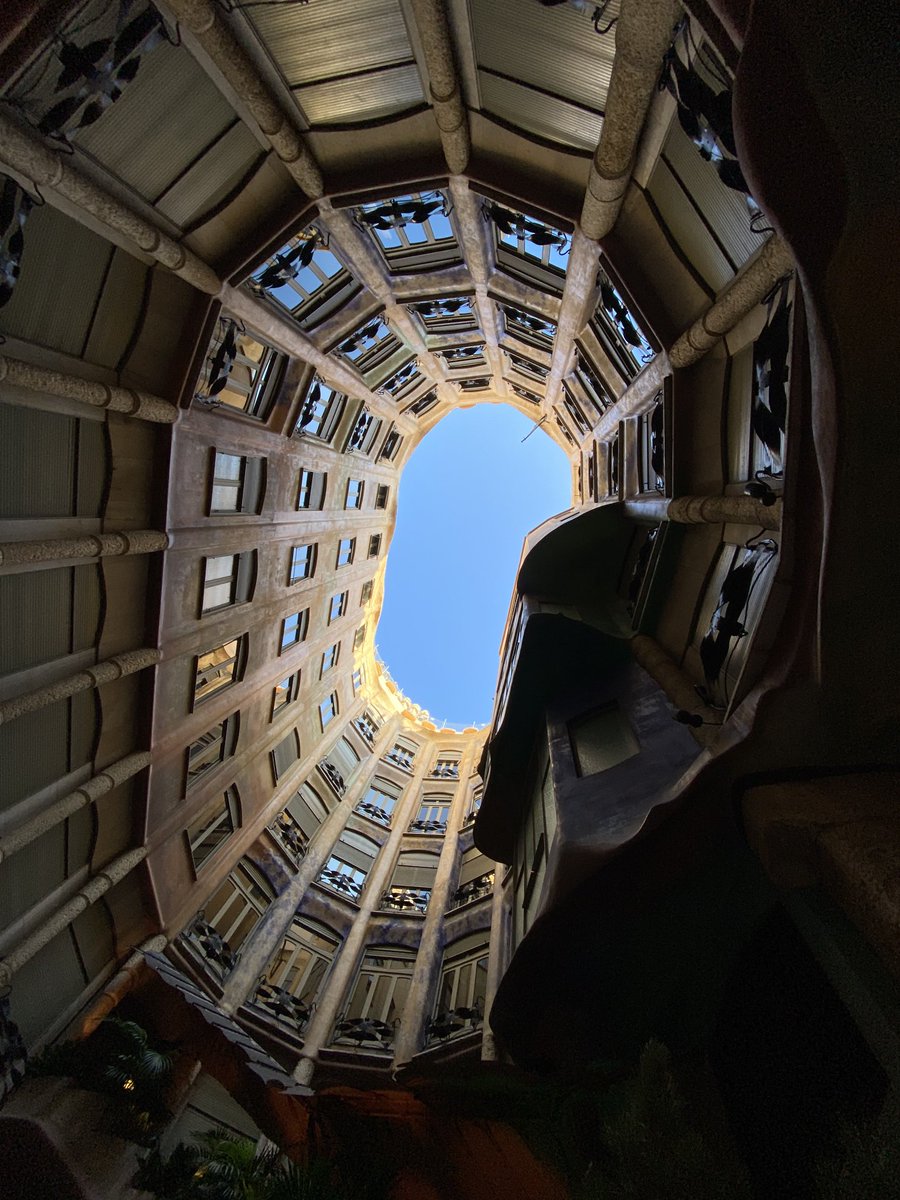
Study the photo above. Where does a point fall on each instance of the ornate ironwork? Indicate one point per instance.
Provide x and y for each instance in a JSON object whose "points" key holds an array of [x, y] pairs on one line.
{"points": [[15, 206], [281, 1004], [423, 403], [211, 944], [405, 899], [445, 770], [288, 264], [13, 1053], [514, 224], [381, 815], [365, 338], [395, 382], [450, 307], [526, 393], [535, 325], [420, 825], [365, 1029], [526, 366], [617, 311], [770, 378], [726, 626], [704, 114], [461, 355], [361, 427], [345, 885], [333, 775], [473, 385], [475, 889], [95, 74], [397, 214], [291, 836], [447, 1022]]}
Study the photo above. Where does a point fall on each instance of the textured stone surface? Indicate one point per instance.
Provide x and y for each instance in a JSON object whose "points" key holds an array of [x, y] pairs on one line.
{"points": [[98, 395]]}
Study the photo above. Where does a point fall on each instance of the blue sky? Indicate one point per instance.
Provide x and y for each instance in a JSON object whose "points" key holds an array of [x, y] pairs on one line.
{"points": [[469, 494]]}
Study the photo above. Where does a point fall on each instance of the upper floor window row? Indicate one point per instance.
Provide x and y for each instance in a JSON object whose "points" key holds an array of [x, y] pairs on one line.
{"points": [[413, 232], [533, 330], [218, 668], [240, 371], [227, 579], [618, 330]]}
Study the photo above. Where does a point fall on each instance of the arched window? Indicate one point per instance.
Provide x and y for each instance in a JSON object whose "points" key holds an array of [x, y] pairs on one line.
{"points": [[459, 1008], [377, 1000]]}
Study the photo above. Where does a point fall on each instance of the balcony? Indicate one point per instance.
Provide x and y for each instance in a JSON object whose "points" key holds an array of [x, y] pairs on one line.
{"points": [[204, 938], [405, 900], [475, 889]]}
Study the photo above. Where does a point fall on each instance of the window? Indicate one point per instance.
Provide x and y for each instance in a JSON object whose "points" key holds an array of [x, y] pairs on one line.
{"points": [[346, 550], [211, 749], [303, 277], [392, 444], [303, 563], [320, 411], [476, 878], [461, 995], [338, 606], [379, 802], [355, 491], [302, 964], [618, 332], [285, 754], [234, 910], [219, 668], [412, 882], [367, 728], [364, 432], [215, 827], [433, 815], [612, 466], [311, 489], [241, 372], [290, 835], [445, 767], [237, 484], [378, 999], [381, 495], [366, 594], [328, 709], [347, 868], [601, 739], [652, 448], [452, 314], [529, 248], [357, 680], [374, 545], [402, 754], [528, 328], [359, 637], [227, 579], [329, 658], [533, 844], [308, 809], [286, 691], [293, 629], [340, 764], [413, 232]]}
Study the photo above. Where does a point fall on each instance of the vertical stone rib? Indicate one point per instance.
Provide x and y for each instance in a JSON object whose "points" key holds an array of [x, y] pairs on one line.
{"points": [[643, 35], [32, 378], [25, 153], [100, 785], [96, 887], [443, 82], [90, 545], [206, 24], [105, 672]]}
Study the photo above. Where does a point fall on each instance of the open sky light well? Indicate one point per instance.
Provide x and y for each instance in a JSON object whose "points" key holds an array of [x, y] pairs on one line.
{"points": [[470, 493]]}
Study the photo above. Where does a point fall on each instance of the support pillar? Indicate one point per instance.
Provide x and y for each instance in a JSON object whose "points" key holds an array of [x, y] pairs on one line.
{"points": [[746, 290], [706, 510], [678, 687], [643, 34], [446, 97], [100, 785], [32, 378], [496, 962], [105, 672], [96, 887], [90, 545]]}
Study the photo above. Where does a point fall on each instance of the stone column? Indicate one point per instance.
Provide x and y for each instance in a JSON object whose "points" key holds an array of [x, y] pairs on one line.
{"points": [[678, 686], [772, 262], [27, 155], [446, 97], [318, 1032], [105, 672], [89, 545], [643, 35], [205, 23], [496, 960], [96, 887], [124, 981], [429, 957], [86, 391], [89, 792], [706, 510]]}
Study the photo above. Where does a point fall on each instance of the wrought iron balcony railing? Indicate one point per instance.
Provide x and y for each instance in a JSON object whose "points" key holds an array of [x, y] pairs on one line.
{"points": [[406, 900], [211, 945], [475, 889]]}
